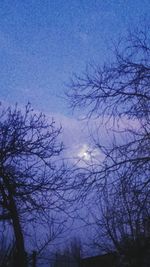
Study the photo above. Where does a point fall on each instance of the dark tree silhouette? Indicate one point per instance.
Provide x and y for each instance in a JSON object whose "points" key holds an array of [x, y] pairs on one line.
{"points": [[70, 255], [32, 182], [122, 218], [117, 95]]}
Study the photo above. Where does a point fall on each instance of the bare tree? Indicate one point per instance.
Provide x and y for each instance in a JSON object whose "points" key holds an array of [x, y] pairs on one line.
{"points": [[122, 219], [32, 182], [118, 96], [69, 256]]}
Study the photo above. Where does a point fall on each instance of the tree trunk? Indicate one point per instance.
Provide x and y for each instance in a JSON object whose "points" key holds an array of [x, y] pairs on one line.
{"points": [[21, 254], [11, 206]]}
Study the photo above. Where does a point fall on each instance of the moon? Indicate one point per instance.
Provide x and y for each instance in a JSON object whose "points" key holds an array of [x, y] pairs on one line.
{"points": [[84, 153]]}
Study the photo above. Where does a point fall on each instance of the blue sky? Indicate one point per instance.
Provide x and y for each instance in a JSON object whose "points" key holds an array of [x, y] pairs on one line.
{"points": [[42, 42]]}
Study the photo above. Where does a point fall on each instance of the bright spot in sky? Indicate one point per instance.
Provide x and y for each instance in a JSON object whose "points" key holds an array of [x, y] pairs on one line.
{"points": [[84, 153], [87, 153]]}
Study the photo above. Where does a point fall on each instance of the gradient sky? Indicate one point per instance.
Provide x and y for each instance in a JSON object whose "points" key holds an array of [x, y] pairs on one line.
{"points": [[42, 42]]}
